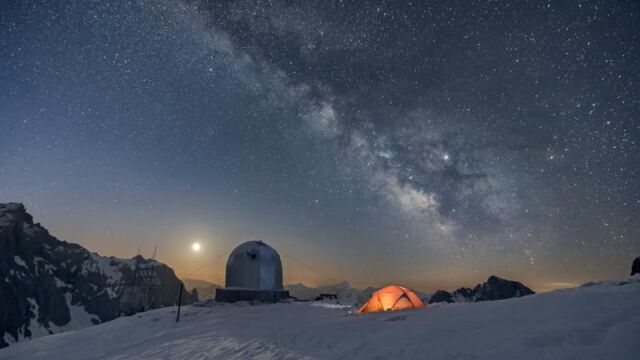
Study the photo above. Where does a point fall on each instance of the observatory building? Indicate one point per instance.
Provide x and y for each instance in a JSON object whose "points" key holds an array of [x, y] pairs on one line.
{"points": [[254, 272]]}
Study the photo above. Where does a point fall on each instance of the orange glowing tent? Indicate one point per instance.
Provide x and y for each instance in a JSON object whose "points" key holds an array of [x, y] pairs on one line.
{"points": [[392, 297]]}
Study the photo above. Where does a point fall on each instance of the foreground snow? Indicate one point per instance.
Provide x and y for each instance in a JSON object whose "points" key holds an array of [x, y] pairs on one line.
{"points": [[600, 321]]}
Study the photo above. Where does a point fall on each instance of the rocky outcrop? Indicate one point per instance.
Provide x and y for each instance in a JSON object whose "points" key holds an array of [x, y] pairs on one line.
{"points": [[494, 288], [635, 267], [49, 286], [441, 296]]}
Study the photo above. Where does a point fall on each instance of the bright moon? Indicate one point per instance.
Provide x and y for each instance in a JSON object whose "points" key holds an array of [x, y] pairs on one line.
{"points": [[195, 246]]}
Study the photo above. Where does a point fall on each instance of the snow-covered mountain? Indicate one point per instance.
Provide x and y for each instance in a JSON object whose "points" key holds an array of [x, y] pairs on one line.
{"points": [[595, 321], [494, 288], [49, 286]]}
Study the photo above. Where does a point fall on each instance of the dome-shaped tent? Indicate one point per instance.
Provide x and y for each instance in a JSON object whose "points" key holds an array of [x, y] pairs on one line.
{"points": [[392, 298], [254, 272]]}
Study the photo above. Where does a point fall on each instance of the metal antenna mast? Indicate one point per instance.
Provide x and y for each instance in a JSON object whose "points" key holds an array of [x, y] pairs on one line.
{"points": [[138, 295]]}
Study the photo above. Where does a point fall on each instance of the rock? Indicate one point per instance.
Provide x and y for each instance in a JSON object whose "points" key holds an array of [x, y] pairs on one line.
{"points": [[494, 288], [635, 268], [441, 296], [497, 288]]}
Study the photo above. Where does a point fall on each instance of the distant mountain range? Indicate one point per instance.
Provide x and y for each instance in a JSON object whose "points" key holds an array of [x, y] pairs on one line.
{"points": [[494, 288], [344, 292], [49, 286], [205, 290]]}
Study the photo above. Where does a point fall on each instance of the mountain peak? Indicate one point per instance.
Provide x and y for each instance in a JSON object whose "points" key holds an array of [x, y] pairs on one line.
{"points": [[12, 206], [343, 284], [493, 279], [11, 213]]}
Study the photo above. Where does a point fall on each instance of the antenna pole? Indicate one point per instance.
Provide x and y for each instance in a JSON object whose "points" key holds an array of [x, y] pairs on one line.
{"points": [[155, 251]]}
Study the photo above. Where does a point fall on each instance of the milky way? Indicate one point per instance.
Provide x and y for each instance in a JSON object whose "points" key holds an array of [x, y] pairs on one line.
{"points": [[425, 143]]}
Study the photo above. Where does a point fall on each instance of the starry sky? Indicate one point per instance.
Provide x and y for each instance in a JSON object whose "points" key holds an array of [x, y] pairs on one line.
{"points": [[427, 143]]}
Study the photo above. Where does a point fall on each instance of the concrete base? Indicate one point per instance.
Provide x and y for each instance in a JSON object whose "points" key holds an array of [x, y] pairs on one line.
{"points": [[267, 296]]}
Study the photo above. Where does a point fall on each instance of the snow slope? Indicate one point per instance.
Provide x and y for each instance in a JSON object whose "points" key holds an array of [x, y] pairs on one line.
{"points": [[595, 321]]}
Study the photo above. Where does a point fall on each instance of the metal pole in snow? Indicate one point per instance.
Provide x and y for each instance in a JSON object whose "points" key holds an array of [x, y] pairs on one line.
{"points": [[179, 301]]}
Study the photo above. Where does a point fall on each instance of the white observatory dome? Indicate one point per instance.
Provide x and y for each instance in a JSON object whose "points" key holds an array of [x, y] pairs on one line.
{"points": [[254, 265]]}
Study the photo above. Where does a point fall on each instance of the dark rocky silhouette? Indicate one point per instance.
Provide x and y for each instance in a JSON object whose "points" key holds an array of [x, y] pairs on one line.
{"points": [[441, 296], [43, 278], [494, 288], [635, 267]]}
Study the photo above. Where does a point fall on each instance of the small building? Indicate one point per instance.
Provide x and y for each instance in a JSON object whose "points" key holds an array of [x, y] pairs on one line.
{"points": [[253, 273]]}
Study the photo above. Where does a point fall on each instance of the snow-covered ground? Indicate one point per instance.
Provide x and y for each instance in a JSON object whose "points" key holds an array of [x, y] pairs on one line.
{"points": [[599, 321]]}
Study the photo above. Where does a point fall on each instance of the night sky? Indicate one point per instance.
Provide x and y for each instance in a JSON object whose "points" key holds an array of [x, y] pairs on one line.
{"points": [[429, 144]]}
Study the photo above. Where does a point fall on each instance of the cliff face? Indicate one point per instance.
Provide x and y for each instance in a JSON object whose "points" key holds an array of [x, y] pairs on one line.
{"points": [[49, 286]]}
